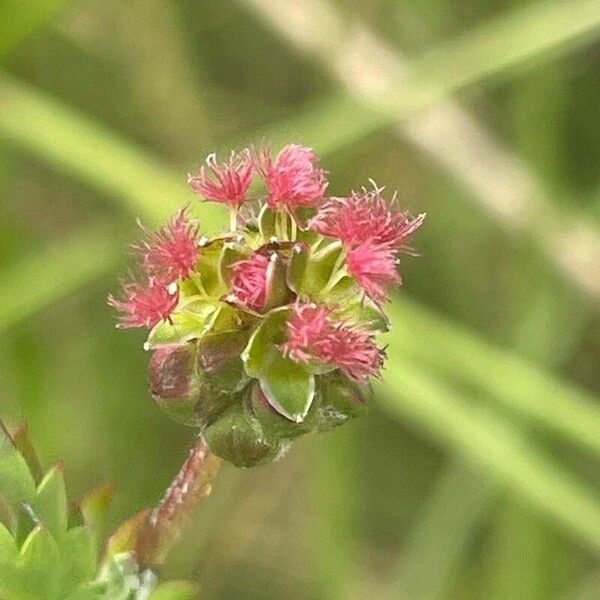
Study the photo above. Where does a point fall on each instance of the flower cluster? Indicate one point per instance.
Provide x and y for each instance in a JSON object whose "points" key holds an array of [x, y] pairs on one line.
{"points": [[268, 330]]}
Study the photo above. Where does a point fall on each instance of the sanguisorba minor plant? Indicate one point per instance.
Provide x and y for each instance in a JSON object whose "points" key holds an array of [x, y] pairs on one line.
{"points": [[269, 330]]}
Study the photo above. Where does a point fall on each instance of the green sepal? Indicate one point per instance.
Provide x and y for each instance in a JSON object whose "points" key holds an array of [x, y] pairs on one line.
{"points": [[239, 438], [16, 482], [288, 387], [268, 334], [175, 590], [232, 252], [191, 321], [340, 400], [297, 267], [272, 422], [78, 558], [207, 267], [266, 222], [277, 291], [366, 312], [50, 503], [319, 269]]}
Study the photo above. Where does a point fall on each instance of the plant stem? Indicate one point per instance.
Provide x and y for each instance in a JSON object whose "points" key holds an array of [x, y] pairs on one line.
{"points": [[168, 519]]}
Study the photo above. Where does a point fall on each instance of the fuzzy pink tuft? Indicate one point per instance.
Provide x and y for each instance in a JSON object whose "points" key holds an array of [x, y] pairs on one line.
{"points": [[365, 217], [145, 306], [228, 183], [374, 268], [293, 179], [313, 335], [171, 252], [249, 282]]}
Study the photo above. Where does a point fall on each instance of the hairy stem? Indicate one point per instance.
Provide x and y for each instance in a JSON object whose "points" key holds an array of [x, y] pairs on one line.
{"points": [[169, 518]]}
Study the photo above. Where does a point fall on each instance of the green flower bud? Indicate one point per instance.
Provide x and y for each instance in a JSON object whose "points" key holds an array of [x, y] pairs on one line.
{"points": [[174, 384], [340, 400], [238, 437], [272, 422]]}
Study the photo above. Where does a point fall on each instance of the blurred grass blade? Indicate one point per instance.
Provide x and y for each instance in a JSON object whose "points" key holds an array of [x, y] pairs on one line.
{"points": [[527, 390], [44, 278], [487, 441], [20, 19], [408, 94], [446, 524], [81, 147]]}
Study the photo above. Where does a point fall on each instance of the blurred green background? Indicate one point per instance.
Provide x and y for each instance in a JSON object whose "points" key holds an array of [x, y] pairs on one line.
{"points": [[476, 473]]}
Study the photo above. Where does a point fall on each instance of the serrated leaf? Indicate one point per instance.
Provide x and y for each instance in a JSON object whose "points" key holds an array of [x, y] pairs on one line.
{"points": [[8, 547], [38, 564], [124, 539], [188, 323], [288, 387], [16, 482], [50, 502], [94, 507], [175, 590], [269, 333], [78, 558]]}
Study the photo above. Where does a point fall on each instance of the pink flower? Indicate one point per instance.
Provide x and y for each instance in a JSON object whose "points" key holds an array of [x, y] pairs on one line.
{"points": [[313, 335], [250, 281], [171, 252], [293, 179], [374, 268], [145, 306], [364, 217], [228, 182]]}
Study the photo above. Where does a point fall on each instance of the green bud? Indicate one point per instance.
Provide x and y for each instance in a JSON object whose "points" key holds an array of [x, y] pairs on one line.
{"points": [[272, 422], [340, 400], [239, 438], [174, 384]]}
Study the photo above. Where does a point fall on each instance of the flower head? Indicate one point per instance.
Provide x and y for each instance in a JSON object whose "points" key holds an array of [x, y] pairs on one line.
{"points": [[314, 335], [145, 306], [365, 217], [250, 281], [171, 252], [374, 268], [227, 183], [293, 179]]}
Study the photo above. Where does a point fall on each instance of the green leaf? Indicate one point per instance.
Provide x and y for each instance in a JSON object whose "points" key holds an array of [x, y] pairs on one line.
{"points": [[38, 564], [288, 387], [23, 444], [8, 547], [78, 558], [124, 539], [50, 502], [269, 333], [94, 507], [188, 323], [175, 590], [16, 482]]}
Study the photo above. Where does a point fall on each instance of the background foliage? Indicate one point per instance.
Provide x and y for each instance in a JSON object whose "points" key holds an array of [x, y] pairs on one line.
{"points": [[476, 474]]}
